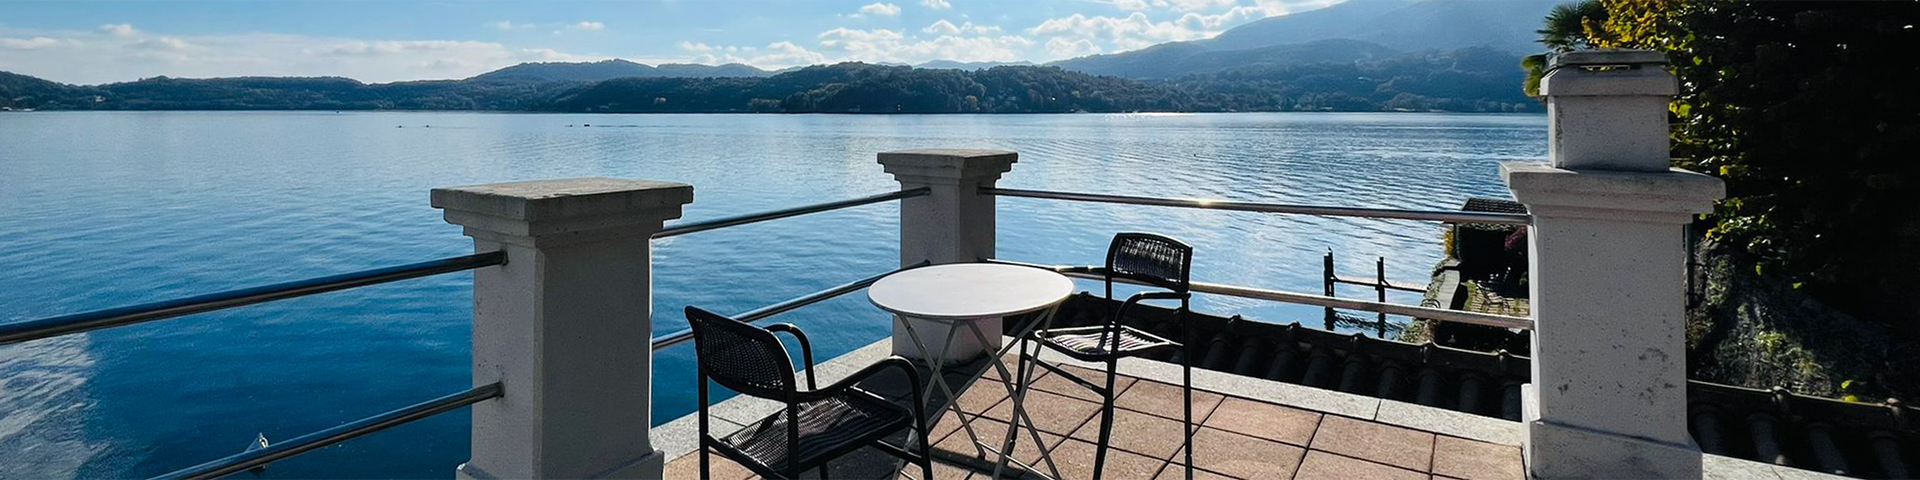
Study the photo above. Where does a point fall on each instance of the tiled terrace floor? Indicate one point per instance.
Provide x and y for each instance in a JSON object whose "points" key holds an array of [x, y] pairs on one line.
{"points": [[1236, 438]]}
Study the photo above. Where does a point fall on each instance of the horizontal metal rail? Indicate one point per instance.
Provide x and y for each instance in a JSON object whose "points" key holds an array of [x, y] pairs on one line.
{"points": [[701, 226], [324, 438], [1327, 211], [1390, 284], [757, 314], [1458, 316], [17, 332]]}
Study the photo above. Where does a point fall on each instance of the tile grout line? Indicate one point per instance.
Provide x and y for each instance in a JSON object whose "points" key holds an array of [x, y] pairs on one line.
{"points": [[1304, 452], [1433, 454]]}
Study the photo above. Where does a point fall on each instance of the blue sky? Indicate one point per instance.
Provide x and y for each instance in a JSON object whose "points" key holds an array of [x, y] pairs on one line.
{"points": [[88, 42]]}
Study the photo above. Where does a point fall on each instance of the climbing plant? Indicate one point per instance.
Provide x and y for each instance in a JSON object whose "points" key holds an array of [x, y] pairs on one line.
{"points": [[1811, 113]]}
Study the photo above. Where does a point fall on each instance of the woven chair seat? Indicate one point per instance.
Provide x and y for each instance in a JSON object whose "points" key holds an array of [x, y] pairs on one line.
{"points": [[827, 426], [1086, 342]]}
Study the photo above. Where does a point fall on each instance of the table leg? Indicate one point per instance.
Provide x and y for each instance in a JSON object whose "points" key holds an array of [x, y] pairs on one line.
{"points": [[940, 381], [1017, 390]]}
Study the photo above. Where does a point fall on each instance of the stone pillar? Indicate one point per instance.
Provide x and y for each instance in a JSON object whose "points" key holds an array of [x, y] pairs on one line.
{"points": [[953, 223], [565, 325], [1608, 261]]}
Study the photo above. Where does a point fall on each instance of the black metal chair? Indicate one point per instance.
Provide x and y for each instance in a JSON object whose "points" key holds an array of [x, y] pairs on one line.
{"points": [[818, 424], [1146, 258]]}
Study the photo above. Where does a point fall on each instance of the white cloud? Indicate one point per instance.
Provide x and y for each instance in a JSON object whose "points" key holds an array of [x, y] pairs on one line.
{"points": [[776, 55], [883, 45], [936, 4], [87, 57], [164, 44], [558, 28], [944, 27], [1139, 30], [118, 29], [1131, 5], [1131, 32], [27, 43], [880, 9], [1063, 48], [1193, 5]]}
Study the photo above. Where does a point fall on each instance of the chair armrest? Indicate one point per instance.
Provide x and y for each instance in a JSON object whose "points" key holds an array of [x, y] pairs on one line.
{"points": [[853, 379], [1120, 314], [806, 348]]}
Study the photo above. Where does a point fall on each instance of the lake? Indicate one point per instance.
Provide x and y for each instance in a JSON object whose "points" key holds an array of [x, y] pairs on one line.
{"points": [[105, 209]]}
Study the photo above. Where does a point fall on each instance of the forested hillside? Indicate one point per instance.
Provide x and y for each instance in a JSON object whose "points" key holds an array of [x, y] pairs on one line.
{"points": [[1468, 80]]}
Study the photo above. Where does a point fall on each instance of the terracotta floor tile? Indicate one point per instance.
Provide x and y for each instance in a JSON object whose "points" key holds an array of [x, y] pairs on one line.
{"points": [[1400, 447], [1075, 459], [947, 423], [1272, 422], [982, 396], [1471, 460], [1242, 456], [1163, 399], [1056, 383], [1326, 466], [941, 471], [994, 433], [1136, 432], [1174, 471], [687, 467], [1052, 413]]}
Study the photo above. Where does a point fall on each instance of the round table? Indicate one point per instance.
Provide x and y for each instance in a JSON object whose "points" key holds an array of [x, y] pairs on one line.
{"points": [[969, 291], [965, 295]]}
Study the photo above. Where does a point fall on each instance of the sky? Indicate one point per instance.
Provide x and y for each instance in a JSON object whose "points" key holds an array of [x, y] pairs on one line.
{"points": [[92, 42]]}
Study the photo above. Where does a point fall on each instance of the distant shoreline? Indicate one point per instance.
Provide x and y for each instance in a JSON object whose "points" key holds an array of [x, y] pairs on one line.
{"points": [[525, 112]]}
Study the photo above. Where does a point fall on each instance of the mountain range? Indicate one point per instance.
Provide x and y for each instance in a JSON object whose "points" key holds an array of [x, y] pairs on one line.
{"points": [[1456, 55], [616, 68]]}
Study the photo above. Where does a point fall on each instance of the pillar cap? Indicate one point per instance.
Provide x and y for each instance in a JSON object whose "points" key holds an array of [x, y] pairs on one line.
{"points": [[947, 163], [1609, 72], [1672, 196], [562, 207]]}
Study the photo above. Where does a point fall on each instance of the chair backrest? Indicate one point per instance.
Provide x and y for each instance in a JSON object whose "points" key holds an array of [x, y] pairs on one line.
{"points": [[1155, 259], [740, 356]]}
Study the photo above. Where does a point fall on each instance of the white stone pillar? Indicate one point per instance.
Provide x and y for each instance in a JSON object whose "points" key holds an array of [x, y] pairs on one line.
{"points": [[953, 223], [1608, 261], [565, 325]]}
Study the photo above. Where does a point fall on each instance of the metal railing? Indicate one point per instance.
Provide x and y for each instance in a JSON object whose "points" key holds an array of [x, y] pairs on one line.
{"points": [[17, 332], [1320, 210], [704, 225], [1476, 318], [305, 443], [754, 315]]}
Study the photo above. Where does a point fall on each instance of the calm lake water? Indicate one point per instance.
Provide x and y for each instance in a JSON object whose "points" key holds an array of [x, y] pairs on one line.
{"points": [[109, 209]]}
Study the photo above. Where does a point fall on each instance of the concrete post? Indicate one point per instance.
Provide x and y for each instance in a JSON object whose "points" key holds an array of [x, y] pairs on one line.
{"points": [[565, 325], [1609, 398], [953, 223]]}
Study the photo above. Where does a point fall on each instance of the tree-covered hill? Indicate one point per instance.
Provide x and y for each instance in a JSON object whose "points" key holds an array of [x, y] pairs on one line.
{"points": [[865, 88], [616, 68], [1468, 80]]}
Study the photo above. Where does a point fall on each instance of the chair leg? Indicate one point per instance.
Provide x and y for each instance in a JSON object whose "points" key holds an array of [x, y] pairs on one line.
{"points": [[1106, 422], [1186, 370], [706, 464], [823, 471]]}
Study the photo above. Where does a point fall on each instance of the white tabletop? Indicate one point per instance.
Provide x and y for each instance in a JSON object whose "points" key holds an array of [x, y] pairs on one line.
{"points": [[964, 291]]}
